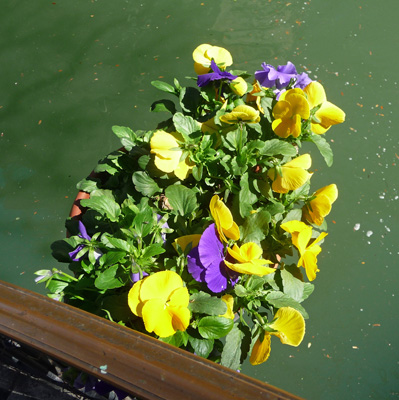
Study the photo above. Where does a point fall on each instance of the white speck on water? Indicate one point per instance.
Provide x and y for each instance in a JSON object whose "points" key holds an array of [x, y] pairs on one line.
{"points": [[388, 229], [356, 227], [369, 233]]}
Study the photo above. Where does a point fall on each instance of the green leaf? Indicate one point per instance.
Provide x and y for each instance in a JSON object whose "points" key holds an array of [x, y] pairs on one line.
{"points": [[240, 291], [185, 125], [117, 243], [266, 103], [324, 148], [204, 303], [163, 105], [60, 251], [280, 299], [112, 257], [202, 347], [276, 146], [293, 215], [87, 185], [165, 87], [153, 250], [117, 306], [231, 355], [255, 227], [178, 339], [126, 135], [237, 138], [144, 221], [182, 199], [214, 327], [246, 196], [190, 99], [57, 283], [104, 205], [107, 280], [255, 283], [293, 287], [145, 184]]}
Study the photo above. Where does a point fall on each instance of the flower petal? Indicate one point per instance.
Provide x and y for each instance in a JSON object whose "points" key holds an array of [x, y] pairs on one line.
{"points": [[184, 241], [216, 277], [329, 114], [315, 93], [133, 298], [183, 169], [239, 86], [331, 191], [261, 350], [160, 285], [157, 318], [194, 265], [298, 103], [309, 262], [304, 161], [210, 248], [290, 326], [317, 209], [221, 56], [199, 54], [250, 268], [229, 300], [292, 179], [180, 317]]}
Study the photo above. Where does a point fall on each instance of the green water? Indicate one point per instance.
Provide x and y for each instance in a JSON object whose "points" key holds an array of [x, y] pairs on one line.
{"points": [[72, 69]]}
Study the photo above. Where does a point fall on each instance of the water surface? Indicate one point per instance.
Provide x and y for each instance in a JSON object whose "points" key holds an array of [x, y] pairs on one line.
{"points": [[71, 70]]}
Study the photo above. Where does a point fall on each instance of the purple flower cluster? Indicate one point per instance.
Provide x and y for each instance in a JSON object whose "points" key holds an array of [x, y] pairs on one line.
{"points": [[206, 262], [280, 77]]}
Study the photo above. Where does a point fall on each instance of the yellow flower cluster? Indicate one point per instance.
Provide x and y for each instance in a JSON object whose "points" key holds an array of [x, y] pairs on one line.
{"points": [[295, 105]]}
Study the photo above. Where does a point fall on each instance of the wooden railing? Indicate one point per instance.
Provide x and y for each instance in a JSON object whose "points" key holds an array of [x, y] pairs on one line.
{"points": [[129, 360]]}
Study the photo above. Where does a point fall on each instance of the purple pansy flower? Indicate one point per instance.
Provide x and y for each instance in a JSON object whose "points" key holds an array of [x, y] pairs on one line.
{"points": [[206, 262], [280, 77], [302, 80], [216, 75], [82, 234]]}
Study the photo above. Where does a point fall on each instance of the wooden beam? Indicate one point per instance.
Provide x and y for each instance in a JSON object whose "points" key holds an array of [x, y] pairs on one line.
{"points": [[129, 360]]}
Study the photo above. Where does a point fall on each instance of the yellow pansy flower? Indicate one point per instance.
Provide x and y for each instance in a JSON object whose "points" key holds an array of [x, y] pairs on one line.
{"points": [[205, 53], [168, 153], [242, 113], [301, 236], [318, 208], [290, 328], [249, 260], [293, 174], [229, 300], [288, 113], [162, 301], [328, 114], [239, 86], [223, 220]]}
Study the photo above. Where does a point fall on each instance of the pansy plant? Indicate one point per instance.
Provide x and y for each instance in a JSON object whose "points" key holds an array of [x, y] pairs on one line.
{"points": [[186, 230]]}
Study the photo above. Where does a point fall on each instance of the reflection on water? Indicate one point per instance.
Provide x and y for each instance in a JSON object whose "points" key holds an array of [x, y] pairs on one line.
{"points": [[73, 69]]}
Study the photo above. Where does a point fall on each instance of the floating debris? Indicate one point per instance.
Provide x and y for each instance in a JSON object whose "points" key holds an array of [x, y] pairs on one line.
{"points": [[369, 233], [356, 227]]}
